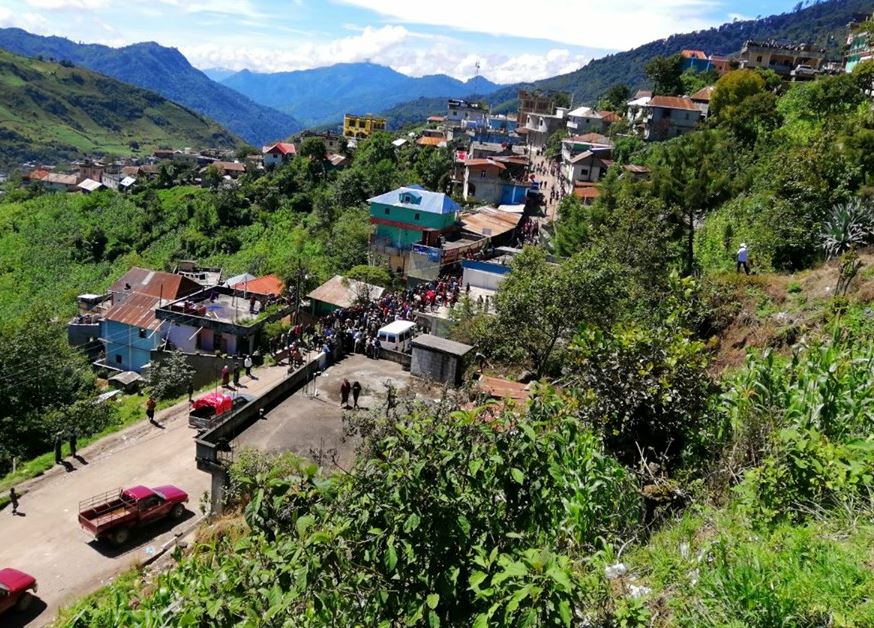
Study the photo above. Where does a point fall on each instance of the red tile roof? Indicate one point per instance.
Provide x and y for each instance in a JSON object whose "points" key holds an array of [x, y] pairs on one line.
{"points": [[155, 283], [282, 148], [672, 102], [611, 117], [265, 286], [586, 191]]}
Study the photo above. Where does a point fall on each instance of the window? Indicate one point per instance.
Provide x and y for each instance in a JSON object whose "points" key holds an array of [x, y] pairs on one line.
{"points": [[584, 172], [417, 216], [759, 59], [118, 358], [482, 174], [387, 211], [142, 333]]}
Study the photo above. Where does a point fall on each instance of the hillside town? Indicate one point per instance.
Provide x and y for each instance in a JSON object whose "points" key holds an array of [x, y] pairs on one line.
{"points": [[504, 342]]}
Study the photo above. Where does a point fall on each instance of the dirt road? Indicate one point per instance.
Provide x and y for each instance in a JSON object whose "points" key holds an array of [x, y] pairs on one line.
{"points": [[48, 543]]}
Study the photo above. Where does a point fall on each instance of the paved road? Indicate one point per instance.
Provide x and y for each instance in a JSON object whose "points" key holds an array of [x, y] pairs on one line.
{"points": [[48, 543]]}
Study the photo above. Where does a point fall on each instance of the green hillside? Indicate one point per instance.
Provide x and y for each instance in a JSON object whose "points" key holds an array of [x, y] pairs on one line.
{"points": [[50, 112]]}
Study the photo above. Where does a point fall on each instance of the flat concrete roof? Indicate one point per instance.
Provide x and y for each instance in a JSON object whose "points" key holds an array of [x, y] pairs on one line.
{"points": [[435, 343], [311, 420]]}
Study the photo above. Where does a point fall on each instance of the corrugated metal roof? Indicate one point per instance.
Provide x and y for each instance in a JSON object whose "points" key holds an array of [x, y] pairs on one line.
{"points": [[489, 222], [672, 102], [434, 343], [168, 286], [136, 310], [503, 388], [89, 185], [484, 162], [342, 292], [431, 202]]}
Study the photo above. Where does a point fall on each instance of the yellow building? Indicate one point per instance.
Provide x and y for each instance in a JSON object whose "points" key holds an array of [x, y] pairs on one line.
{"points": [[362, 126]]}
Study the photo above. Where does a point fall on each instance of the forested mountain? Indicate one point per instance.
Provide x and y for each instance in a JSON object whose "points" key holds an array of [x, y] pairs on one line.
{"points": [[167, 72], [323, 95], [824, 24], [50, 112]]}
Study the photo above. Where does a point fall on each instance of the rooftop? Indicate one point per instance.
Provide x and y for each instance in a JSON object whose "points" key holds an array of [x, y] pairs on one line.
{"points": [[265, 286], [672, 102], [156, 283], [280, 148], [418, 198], [344, 293], [489, 222], [442, 345], [136, 310]]}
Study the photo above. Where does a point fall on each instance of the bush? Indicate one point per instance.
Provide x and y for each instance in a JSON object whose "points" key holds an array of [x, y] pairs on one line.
{"points": [[170, 377]]}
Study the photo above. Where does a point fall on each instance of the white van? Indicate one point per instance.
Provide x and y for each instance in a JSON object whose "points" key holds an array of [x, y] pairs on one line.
{"points": [[397, 336]]}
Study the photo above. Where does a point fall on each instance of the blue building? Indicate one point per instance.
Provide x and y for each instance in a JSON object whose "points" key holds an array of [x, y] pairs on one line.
{"points": [[129, 328]]}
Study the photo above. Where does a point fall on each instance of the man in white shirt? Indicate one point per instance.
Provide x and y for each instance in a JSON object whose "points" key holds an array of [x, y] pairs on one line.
{"points": [[742, 259]]}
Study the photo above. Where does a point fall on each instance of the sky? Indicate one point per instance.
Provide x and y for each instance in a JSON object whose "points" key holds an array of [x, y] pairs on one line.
{"points": [[508, 40]]}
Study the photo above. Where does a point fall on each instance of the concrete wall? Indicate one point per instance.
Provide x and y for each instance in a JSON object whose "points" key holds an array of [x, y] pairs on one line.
{"points": [[436, 366], [125, 349], [403, 359], [207, 367]]}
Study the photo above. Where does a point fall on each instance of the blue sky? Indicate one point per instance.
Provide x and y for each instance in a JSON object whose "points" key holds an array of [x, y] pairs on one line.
{"points": [[510, 40]]}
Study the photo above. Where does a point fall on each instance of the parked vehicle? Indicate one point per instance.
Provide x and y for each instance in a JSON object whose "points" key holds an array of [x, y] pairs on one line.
{"points": [[114, 514], [805, 71], [208, 410], [398, 336], [16, 590]]}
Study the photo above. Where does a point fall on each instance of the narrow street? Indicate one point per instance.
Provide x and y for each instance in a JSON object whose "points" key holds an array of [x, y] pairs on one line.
{"points": [[549, 181], [47, 541]]}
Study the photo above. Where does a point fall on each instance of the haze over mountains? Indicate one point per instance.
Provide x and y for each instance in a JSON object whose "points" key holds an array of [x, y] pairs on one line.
{"points": [[323, 95], [164, 71]]}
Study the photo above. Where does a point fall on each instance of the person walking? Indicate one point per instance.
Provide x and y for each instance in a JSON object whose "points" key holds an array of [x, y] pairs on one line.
{"points": [[742, 259], [236, 374], [73, 444], [190, 391], [247, 363], [225, 376], [150, 409], [345, 389], [356, 391], [13, 499]]}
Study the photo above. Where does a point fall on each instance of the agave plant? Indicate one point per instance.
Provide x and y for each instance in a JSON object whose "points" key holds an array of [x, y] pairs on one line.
{"points": [[850, 225]]}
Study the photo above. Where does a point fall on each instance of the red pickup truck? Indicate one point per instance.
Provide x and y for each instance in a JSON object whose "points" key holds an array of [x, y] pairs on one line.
{"points": [[15, 590], [114, 514]]}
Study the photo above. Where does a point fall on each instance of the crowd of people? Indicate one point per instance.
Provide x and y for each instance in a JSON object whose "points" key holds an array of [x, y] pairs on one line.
{"points": [[356, 329]]}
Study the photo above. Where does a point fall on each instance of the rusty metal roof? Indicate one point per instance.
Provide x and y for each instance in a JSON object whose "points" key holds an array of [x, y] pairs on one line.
{"points": [[342, 292], [503, 388], [136, 310], [155, 283], [266, 285], [490, 222]]}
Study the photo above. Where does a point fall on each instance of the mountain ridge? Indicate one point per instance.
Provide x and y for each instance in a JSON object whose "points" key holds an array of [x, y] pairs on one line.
{"points": [[322, 95], [51, 112], [166, 71]]}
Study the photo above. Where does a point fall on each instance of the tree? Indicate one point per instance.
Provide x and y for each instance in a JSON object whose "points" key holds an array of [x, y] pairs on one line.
{"points": [[553, 143], [614, 98], [539, 303], [732, 89], [664, 73], [170, 377], [212, 177]]}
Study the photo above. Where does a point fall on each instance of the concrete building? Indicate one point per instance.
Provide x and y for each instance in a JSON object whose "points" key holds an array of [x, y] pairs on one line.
{"points": [[540, 126], [362, 126], [780, 56], [438, 359], [533, 102], [860, 46], [586, 120], [587, 167], [465, 114], [409, 216], [668, 117], [500, 180], [278, 154]]}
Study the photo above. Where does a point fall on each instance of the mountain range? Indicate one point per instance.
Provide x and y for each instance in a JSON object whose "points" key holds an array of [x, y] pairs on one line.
{"points": [[51, 111], [824, 24], [323, 95], [164, 71]]}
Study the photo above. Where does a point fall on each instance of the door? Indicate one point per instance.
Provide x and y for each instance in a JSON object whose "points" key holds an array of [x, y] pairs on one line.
{"points": [[152, 508], [7, 601]]}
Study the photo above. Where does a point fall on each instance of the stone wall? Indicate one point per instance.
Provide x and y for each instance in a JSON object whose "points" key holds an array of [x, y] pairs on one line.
{"points": [[433, 365]]}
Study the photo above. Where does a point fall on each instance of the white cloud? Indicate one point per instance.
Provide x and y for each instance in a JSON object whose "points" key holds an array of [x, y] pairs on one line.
{"points": [[28, 21], [406, 51], [616, 25], [56, 5]]}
